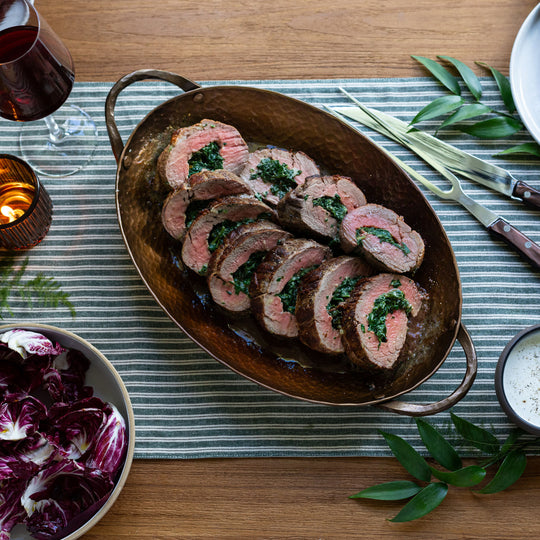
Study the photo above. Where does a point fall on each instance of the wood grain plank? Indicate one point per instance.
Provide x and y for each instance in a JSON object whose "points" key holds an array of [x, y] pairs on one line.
{"points": [[302, 498], [246, 39]]}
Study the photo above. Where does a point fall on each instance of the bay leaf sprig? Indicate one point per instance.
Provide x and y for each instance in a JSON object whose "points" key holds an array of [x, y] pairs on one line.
{"points": [[432, 482], [459, 109], [40, 290]]}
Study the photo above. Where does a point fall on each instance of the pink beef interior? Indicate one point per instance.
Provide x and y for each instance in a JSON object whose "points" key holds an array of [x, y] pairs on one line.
{"points": [[386, 353], [309, 257], [186, 141], [173, 214], [293, 160], [195, 252]]}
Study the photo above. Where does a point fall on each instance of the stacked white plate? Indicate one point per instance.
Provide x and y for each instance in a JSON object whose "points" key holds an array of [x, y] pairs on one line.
{"points": [[525, 72]]}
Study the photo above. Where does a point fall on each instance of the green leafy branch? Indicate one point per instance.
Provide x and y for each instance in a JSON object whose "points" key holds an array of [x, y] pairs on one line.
{"points": [[41, 290], [491, 124], [509, 458]]}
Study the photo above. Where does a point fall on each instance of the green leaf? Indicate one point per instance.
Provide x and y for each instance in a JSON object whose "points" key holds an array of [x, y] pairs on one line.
{"points": [[441, 450], [509, 472], [468, 76], [466, 477], [504, 87], [477, 436], [408, 456], [423, 503], [438, 107], [494, 128], [465, 112], [531, 148], [446, 78], [512, 438], [389, 491]]}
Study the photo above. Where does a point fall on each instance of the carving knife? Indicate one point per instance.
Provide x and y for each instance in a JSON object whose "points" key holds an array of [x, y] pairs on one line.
{"points": [[458, 161]]}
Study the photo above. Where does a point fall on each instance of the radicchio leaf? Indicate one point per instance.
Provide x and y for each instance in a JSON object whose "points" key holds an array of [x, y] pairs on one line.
{"points": [[20, 415], [58, 493], [11, 510], [65, 378], [35, 367], [11, 372], [13, 467], [65, 387], [48, 519], [111, 444], [26, 342], [35, 449], [74, 427]]}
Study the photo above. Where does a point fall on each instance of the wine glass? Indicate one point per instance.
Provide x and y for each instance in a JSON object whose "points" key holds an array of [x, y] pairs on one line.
{"points": [[36, 78]]}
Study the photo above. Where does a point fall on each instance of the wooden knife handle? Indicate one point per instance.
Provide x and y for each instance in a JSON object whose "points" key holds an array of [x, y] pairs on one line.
{"points": [[527, 194], [525, 246]]}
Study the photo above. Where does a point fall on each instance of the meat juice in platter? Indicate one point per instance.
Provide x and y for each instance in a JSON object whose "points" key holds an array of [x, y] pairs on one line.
{"points": [[36, 73]]}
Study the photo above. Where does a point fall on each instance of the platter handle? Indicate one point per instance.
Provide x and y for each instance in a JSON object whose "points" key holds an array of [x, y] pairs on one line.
{"points": [[117, 144], [413, 409]]}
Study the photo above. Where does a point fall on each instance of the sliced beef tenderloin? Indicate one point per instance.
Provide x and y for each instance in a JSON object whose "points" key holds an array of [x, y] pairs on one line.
{"points": [[275, 283], [232, 265], [208, 145], [382, 236], [211, 226], [207, 185], [375, 320], [318, 206], [320, 300], [173, 212], [183, 204], [273, 172]]}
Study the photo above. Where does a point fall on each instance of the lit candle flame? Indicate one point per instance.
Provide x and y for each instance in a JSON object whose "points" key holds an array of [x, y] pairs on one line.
{"points": [[10, 213]]}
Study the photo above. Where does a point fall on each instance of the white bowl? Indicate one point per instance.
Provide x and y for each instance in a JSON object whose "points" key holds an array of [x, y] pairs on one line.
{"points": [[525, 72], [109, 387]]}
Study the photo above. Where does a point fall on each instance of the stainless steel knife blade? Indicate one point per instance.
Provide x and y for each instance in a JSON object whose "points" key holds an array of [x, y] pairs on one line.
{"points": [[453, 158]]}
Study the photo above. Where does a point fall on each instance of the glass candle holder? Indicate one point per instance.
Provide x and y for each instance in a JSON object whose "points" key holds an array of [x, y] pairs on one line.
{"points": [[25, 206]]}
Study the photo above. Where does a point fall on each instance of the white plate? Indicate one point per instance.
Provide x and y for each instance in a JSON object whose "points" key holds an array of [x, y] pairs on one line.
{"points": [[525, 72]]}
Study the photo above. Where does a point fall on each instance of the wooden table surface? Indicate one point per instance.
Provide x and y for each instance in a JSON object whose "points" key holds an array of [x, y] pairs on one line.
{"points": [[246, 39]]}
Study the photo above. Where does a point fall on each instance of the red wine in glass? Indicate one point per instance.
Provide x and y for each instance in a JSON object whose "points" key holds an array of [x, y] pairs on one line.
{"points": [[36, 79], [40, 82]]}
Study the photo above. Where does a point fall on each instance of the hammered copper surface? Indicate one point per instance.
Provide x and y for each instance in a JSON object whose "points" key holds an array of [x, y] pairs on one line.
{"points": [[267, 117]]}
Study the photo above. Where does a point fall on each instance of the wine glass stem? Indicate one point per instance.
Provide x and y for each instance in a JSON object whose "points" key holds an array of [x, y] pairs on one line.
{"points": [[56, 133]]}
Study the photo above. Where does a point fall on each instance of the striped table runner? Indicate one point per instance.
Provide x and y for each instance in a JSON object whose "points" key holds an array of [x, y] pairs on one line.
{"points": [[186, 404]]}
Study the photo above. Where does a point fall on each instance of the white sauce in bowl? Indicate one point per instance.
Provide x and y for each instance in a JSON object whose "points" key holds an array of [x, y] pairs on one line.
{"points": [[521, 378]]}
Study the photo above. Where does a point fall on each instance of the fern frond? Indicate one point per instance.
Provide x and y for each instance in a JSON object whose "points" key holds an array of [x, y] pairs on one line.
{"points": [[41, 290]]}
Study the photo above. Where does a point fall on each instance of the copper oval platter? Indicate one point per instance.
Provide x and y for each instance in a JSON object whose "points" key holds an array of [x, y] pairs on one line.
{"points": [[271, 118]]}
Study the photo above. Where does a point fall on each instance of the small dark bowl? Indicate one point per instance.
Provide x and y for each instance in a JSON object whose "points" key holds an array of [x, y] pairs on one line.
{"points": [[526, 344]]}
